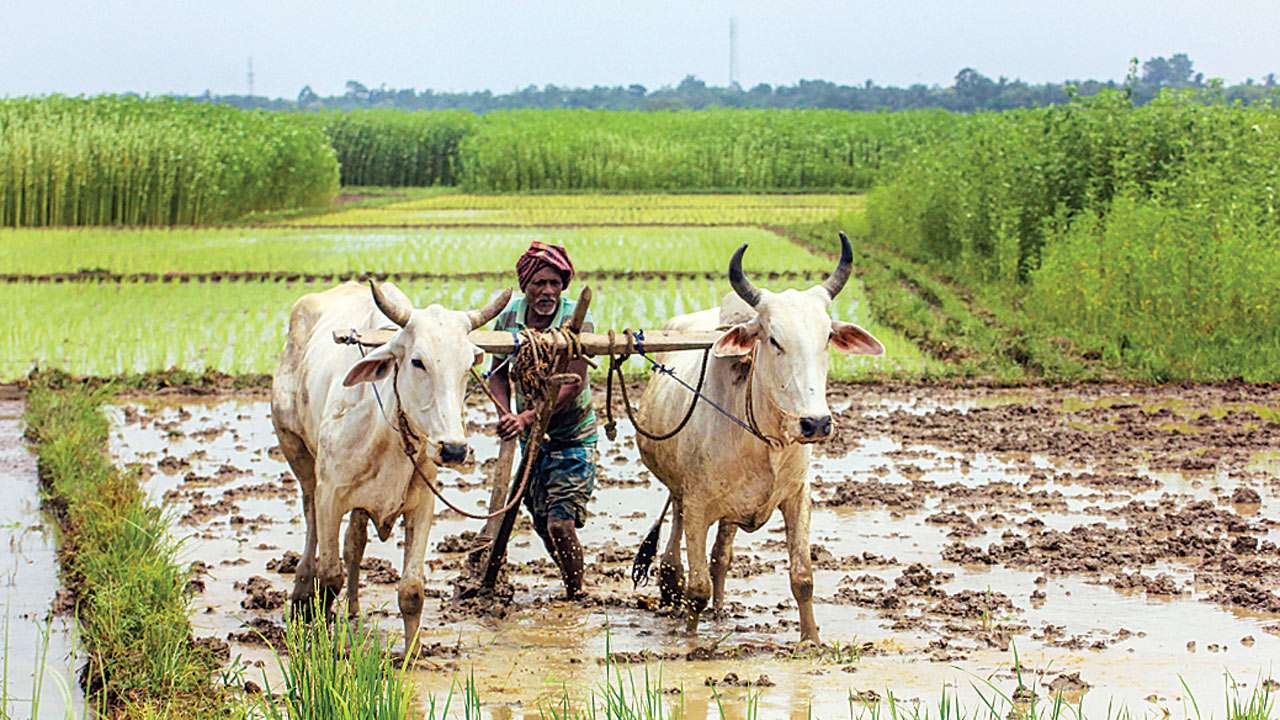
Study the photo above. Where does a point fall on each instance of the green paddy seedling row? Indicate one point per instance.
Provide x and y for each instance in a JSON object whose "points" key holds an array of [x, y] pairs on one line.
{"points": [[442, 251], [449, 209], [241, 328]]}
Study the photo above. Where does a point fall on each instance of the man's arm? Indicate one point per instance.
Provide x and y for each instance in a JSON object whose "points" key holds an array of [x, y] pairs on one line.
{"points": [[578, 367], [500, 384], [510, 424]]}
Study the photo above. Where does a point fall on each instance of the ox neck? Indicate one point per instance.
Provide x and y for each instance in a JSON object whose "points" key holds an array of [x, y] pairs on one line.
{"points": [[766, 417]]}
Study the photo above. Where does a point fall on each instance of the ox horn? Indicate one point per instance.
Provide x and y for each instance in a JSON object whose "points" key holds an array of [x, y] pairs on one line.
{"points": [[398, 313], [479, 318], [741, 285], [835, 283]]}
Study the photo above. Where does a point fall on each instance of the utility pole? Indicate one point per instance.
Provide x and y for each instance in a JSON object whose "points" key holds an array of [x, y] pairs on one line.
{"points": [[733, 51], [250, 76]]}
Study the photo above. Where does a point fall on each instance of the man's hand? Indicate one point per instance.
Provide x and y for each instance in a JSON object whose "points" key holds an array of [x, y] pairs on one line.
{"points": [[511, 425]]}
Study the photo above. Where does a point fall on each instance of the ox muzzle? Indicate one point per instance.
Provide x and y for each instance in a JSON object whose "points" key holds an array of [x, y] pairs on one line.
{"points": [[453, 454], [815, 429]]}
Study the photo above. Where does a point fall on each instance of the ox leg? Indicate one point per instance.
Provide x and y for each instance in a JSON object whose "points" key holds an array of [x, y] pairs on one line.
{"points": [[328, 564], [353, 555], [304, 469], [412, 593], [721, 560], [670, 567], [304, 579], [698, 589], [795, 513]]}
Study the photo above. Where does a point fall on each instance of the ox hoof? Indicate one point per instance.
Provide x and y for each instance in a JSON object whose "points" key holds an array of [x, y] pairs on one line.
{"points": [[716, 614], [691, 625]]}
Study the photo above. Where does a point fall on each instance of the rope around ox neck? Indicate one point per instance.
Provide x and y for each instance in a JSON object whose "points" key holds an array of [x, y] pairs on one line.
{"points": [[408, 440], [635, 341]]}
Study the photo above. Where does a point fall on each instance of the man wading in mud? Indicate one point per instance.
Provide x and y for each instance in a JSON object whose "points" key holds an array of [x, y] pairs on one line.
{"points": [[564, 472]]}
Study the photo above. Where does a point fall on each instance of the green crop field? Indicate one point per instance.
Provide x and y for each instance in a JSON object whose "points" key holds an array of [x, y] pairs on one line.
{"points": [[1148, 237], [442, 251], [127, 161], [448, 209], [112, 328], [541, 150]]}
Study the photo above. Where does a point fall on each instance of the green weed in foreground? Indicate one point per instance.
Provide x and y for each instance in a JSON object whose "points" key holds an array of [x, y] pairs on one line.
{"points": [[11, 699], [338, 670], [120, 560]]}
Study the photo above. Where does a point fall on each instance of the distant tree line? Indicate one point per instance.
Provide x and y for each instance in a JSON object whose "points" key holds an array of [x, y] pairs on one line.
{"points": [[970, 91]]}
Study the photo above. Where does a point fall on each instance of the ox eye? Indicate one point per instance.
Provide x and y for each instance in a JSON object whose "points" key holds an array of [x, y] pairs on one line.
{"points": [[776, 345], [417, 362]]}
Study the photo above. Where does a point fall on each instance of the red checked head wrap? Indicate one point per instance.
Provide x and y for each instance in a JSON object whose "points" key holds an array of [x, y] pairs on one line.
{"points": [[541, 255]]}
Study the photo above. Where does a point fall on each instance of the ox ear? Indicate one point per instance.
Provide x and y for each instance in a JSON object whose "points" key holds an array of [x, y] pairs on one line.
{"points": [[849, 338], [373, 366], [737, 340]]}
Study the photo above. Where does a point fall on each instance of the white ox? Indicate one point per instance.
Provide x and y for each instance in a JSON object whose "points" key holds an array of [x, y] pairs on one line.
{"points": [[715, 470], [346, 452]]}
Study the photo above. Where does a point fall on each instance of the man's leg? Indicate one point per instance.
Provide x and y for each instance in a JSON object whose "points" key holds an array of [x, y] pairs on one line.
{"points": [[570, 481], [540, 527], [568, 553], [535, 501]]}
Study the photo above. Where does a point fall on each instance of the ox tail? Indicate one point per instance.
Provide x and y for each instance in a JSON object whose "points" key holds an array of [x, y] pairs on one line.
{"points": [[648, 549]]}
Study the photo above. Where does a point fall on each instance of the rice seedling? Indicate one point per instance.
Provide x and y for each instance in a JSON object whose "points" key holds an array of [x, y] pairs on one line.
{"points": [[443, 251], [335, 670], [451, 209], [240, 328]]}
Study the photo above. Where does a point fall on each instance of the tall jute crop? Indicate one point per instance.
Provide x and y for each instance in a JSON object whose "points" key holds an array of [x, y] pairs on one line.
{"points": [[130, 161]]}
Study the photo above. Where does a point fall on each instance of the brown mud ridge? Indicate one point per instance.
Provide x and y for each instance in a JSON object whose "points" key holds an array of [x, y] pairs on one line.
{"points": [[288, 276]]}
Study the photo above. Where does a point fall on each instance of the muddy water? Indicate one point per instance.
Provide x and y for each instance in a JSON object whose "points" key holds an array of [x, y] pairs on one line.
{"points": [[1123, 539], [39, 649]]}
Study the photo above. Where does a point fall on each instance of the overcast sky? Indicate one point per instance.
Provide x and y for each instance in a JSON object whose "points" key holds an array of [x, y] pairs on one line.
{"points": [[162, 46]]}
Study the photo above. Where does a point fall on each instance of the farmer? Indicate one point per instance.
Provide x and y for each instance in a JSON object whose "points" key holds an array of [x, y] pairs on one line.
{"points": [[563, 474]]}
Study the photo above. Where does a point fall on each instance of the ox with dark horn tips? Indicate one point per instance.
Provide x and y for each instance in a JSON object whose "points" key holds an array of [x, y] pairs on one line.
{"points": [[741, 285], [481, 317], [835, 283], [394, 311]]}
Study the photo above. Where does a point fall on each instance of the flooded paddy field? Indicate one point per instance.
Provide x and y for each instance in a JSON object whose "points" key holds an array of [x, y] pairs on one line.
{"points": [[1122, 539], [36, 631]]}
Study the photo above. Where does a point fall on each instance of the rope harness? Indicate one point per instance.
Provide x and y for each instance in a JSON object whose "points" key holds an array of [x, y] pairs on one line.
{"points": [[531, 363], [408, 444], [635, 344]]}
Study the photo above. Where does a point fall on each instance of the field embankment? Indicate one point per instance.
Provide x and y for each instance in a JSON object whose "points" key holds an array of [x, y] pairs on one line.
{"points": [[129, 161], [1148, 238], [120, 562]]}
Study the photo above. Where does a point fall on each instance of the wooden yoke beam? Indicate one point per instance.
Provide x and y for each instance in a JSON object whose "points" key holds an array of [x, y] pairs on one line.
{"points": [[504, 343]]}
